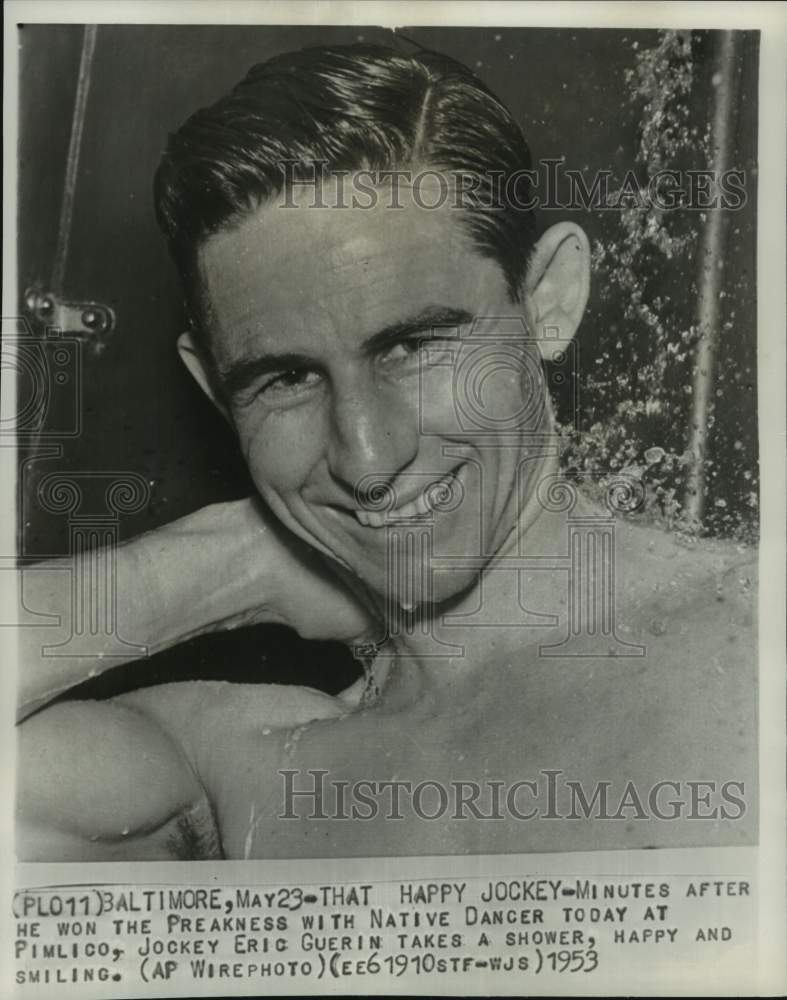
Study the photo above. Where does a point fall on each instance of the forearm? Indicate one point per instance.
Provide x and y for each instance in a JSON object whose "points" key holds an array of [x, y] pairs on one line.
{"points": [[184, 579]]}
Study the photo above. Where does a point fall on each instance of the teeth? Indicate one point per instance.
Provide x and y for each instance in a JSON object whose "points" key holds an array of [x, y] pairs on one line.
{"points": [[415, 507], [378, 519], [370, 518]]}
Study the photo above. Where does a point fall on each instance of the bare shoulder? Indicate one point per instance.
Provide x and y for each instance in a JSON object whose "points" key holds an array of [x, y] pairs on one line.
{"points": [[218, 723], [686, 709], [184, 709], [692, 610], [100, 780], [657, 567], [679, 704], [136, 776]]}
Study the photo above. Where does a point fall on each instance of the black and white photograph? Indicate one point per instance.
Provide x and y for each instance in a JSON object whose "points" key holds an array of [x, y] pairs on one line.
{"points": [[384, 408]]}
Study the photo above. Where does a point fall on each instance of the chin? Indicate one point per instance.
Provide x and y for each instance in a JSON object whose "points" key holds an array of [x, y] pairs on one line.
{"points": [[408, 586], [410, 565]]}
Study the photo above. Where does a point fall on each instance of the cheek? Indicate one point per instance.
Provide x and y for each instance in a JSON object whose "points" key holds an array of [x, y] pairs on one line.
{"points": [[483, 392], [280, 450], [507, 391], [438, 413]]}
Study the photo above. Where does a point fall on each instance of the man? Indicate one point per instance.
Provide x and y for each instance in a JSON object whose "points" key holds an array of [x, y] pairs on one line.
{"points": [[369, 316]]}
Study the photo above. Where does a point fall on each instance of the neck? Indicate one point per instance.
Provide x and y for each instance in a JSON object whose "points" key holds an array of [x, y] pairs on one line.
{"points": [[432, 653]]}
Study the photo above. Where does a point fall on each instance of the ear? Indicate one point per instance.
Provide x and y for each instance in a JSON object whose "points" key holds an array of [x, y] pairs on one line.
{"points": [[557, 284], [193, 357]]}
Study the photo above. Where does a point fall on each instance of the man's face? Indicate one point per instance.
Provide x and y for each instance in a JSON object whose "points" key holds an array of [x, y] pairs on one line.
{"points": [[344, 339]]}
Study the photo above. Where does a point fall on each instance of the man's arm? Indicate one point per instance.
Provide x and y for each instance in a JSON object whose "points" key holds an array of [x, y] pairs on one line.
{"points": [[101, 781], [221, 567]]}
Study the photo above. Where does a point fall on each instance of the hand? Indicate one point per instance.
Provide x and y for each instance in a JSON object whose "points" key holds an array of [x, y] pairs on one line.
{"points": [[223, 566], [270, 575]]}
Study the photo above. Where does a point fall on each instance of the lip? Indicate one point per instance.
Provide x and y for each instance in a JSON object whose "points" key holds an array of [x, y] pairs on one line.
{"points": [[417, 506]]}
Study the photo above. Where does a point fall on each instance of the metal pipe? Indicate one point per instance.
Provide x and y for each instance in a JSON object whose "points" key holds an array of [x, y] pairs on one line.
{"points": [[711, 271], [33, 449], [72, 160]]}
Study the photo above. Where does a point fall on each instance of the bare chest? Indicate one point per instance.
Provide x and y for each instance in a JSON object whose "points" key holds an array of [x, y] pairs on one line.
{"points": [[575, 756]]}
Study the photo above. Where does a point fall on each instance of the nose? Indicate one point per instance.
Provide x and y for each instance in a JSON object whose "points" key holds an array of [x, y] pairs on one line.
{"points": [[374, 433]]}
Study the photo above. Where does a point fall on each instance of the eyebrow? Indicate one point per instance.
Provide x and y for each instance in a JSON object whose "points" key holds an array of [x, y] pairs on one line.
{"points": [[243, 373]]}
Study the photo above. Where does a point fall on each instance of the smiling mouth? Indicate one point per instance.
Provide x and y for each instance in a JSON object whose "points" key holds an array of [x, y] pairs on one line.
{"points": [[432, 498]]}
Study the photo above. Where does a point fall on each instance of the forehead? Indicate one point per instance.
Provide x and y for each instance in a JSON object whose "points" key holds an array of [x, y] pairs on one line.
{"points": [[305, 272]]}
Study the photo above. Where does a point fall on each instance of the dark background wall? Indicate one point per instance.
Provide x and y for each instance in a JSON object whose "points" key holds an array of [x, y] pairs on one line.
{"points": [[140, 411]]}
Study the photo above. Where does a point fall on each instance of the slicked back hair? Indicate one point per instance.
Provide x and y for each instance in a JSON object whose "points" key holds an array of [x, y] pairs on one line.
{"points": [[355, 107]]}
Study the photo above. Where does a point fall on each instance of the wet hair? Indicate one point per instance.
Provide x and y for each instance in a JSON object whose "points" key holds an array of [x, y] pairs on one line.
{"points": [[355, 107]]}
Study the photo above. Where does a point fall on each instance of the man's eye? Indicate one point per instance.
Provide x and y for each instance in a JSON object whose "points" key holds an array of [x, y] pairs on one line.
{"points": [[289, 383], [423, 350], [402, 351]]}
